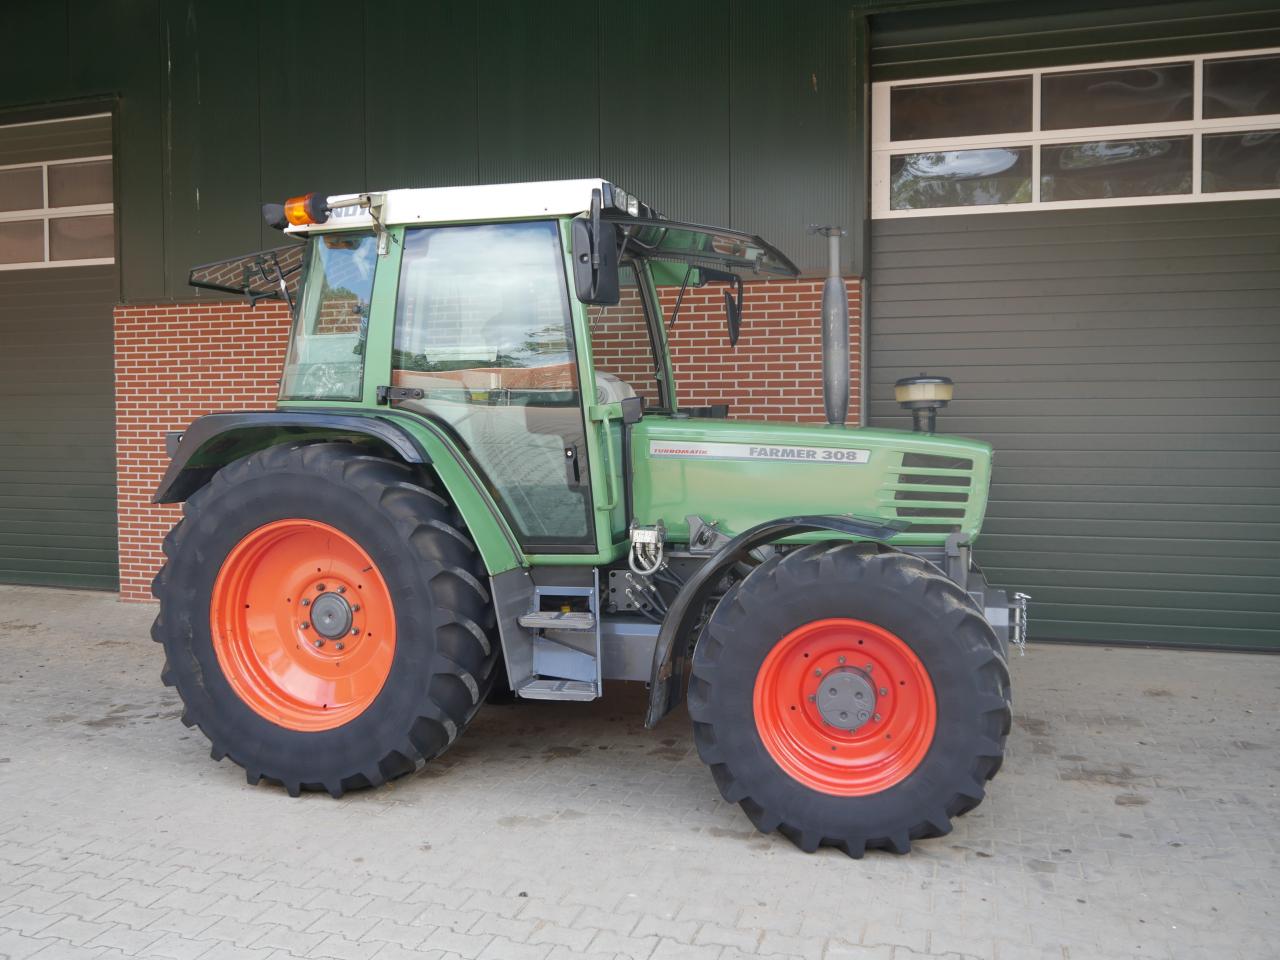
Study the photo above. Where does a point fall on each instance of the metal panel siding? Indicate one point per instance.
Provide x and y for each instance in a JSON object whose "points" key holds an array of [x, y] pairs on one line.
{"points": [[1125, 364], [793, 156], [420, 111], [667, 134], [57, 459], [537, 93], [114, 49], [977, 38], [310, 109], [31, 142], [212, 142]]}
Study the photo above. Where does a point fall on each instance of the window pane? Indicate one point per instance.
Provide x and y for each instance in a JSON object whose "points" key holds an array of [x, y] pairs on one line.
{"points": [[1241, 161], [21, 189], [968, 108], [483, 329], [81, 238], [1115, 168], [1241, 86], [960, 178], [622, 349], [1104, 98], [22, 241], [76, 184], [326, 351]]}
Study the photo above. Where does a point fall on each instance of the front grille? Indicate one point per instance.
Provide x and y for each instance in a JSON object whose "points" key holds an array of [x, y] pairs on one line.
{"points": [[929, 490]]}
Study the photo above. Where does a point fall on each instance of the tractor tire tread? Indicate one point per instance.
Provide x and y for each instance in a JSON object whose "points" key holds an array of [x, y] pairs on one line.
{"points": [[432, 532], [852, 563]]}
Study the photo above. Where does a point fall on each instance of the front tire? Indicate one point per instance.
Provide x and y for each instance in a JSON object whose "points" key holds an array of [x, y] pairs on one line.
{"points": [[324, 618], [849, 696]]}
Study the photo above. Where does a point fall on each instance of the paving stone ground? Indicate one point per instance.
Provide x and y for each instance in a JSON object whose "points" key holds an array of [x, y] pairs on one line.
{"points": [[1137, 816]]}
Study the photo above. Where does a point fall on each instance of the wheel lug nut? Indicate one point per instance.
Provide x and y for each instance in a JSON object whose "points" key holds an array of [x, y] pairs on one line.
{"points": [[342, 589], [355, 631], [884, 691], [868, 668], [817, 673], [305, 625], [306, 602], [840, 660], [318, 642], [320, 587], [355, 608], [813, 698], [876, 718], [339, 645]]}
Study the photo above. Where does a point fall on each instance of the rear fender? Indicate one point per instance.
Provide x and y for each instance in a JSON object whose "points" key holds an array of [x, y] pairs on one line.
{"points": [[670, 655], [211, 442]]}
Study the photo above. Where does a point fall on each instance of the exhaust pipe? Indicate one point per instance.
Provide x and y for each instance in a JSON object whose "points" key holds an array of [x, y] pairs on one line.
{"points": [[835, 332]]}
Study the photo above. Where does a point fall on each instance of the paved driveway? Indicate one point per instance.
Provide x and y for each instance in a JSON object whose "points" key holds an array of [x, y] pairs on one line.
{"points": [[1137, 815]]}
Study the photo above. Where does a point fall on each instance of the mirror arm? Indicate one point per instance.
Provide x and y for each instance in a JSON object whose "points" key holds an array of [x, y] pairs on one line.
{"points": [[675, 311]]}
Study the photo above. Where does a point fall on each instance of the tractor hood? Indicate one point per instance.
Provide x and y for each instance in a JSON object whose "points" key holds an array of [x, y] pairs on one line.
{"points": [[740, 473]]}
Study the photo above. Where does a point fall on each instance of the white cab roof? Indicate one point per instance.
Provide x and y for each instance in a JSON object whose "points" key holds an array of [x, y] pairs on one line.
{"points": [[494, 201]]}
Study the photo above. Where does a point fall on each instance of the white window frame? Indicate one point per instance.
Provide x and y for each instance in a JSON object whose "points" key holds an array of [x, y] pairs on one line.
{"points": [[46, 213], [882, 148]]}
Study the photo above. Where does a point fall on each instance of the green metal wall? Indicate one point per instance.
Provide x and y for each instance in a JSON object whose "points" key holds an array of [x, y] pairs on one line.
{"points": [[57, 428], [722, 111], [1124, 362]]}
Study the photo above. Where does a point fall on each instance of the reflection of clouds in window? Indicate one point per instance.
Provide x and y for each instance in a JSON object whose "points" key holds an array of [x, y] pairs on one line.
{"points": [[1241, 161], [1078, 156], [1156, 166], [951, 178], [484, 295]]}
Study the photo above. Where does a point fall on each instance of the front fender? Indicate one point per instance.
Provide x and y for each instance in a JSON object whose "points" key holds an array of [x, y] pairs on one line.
{"points": [[666, 677], [212, 442]]}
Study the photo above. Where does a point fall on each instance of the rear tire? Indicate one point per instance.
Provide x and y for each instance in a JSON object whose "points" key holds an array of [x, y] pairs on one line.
{"points": [[901, 638], [257, 677]]}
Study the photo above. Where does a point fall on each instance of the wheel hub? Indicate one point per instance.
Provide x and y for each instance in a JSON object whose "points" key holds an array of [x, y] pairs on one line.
{"points": [[331, 615], [846, 698], [302, 624]]}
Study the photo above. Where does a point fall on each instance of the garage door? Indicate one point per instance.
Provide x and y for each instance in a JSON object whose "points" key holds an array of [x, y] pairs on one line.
{"points": [[57, 288], [1125, 363]]}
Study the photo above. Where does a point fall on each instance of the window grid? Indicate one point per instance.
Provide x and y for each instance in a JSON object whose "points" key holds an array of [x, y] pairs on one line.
{"points": [[45, 213], [883, 148]]}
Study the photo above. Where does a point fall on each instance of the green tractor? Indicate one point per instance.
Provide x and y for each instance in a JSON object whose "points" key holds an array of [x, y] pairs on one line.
{"points": [[478, 484]]}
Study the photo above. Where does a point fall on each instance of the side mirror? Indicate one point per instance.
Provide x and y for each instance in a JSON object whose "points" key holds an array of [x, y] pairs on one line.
{"points": [[732, 301], [595, 258], [733, 316]]}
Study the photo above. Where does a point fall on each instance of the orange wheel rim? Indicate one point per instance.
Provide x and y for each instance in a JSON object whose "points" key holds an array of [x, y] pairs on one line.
{"points": [[844, 707], [303, 625]]}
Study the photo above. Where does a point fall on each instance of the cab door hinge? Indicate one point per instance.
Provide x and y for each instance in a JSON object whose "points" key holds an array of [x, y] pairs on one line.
{"points": [[386, 394]]}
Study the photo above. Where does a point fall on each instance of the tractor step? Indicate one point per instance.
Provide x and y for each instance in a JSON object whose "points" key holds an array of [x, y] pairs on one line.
{"points": [[558, 620], [542, 688]]}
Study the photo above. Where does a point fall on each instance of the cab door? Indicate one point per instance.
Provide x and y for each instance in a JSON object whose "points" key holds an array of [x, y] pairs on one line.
{"points": [[484, 343]]}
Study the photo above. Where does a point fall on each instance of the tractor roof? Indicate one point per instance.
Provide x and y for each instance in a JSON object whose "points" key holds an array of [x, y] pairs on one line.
{"points": [[485, 202]]}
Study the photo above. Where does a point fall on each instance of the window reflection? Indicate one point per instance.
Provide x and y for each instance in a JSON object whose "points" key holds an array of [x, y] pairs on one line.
{"points": [[1158, 93], [960, 178], [1115, 168], [1241, 161], [968, 108], [1241, 86]]}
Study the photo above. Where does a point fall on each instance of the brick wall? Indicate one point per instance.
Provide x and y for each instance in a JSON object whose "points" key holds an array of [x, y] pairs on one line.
{"points": [[174, 363]]}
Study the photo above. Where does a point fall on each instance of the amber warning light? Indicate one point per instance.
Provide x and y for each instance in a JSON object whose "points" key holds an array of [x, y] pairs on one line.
{"points": [[310, 208]]}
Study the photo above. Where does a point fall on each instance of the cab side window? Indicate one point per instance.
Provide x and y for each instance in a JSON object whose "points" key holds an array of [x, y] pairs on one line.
{"points": [[484, 330], [326, 351]]}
